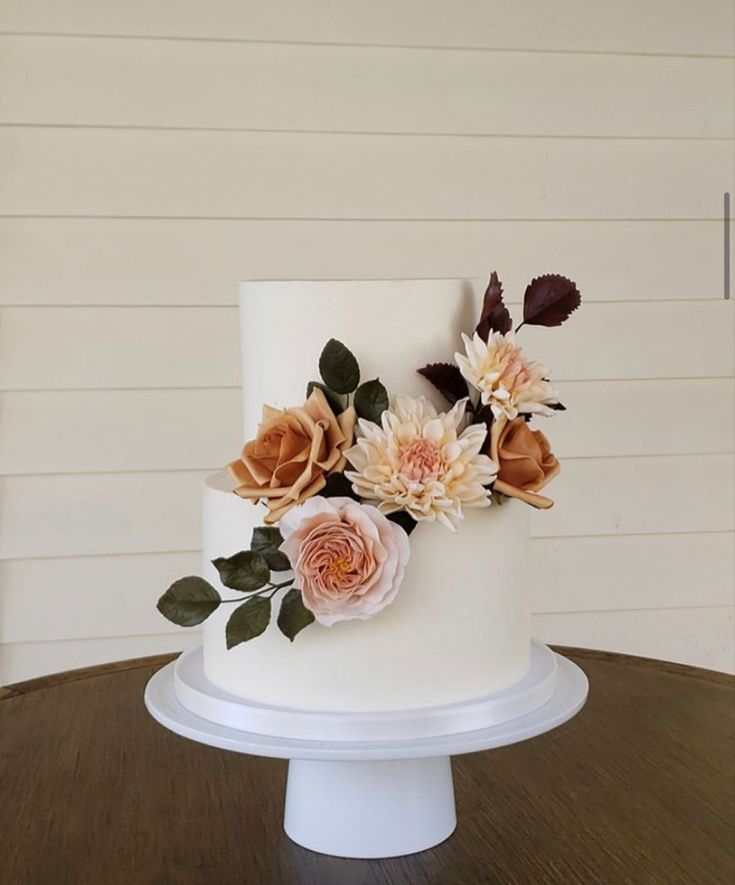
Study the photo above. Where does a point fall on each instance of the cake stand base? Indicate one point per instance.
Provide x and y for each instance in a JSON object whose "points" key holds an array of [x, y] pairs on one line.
{"points": [[370, 809], [369, 798]]}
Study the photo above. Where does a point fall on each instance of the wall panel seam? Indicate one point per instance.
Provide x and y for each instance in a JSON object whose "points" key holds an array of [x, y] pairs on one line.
{"points": [[614, 611], [127, 127], [183, 631], [558, 379], [554, 538], [363, 219], [512, 303], [215, 468], [197, 550], [333, 44], [205, 469]]}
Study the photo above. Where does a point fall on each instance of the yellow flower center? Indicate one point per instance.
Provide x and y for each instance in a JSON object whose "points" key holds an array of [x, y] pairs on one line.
{"points": [[338, 566]]}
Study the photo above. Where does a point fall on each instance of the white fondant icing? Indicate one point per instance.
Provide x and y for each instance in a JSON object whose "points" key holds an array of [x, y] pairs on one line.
{"points": [[392, 326], [199, 696], [459, 628]]}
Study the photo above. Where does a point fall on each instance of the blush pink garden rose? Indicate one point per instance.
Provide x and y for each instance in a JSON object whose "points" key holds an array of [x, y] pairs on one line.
{"points": [[348, 558]]}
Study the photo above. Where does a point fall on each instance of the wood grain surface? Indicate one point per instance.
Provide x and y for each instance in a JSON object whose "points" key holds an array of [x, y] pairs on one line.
{"points": [[637, 789]]}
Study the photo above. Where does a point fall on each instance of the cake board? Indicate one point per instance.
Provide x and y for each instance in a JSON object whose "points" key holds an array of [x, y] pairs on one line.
{"points": [[371, 798]]}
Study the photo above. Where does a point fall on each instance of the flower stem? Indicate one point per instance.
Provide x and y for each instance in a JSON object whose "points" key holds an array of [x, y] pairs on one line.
{"points": [[520, 325], [282, 584], [269, 586]]}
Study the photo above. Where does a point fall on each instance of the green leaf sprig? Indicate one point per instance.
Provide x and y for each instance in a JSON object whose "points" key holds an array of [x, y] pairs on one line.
{"points": [[191, 600], [340, 373]]}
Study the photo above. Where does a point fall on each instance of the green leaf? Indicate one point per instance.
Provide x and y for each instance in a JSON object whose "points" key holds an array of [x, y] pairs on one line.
{"points": [[188, 601], [248, 620], [498, 497], [294, 615], [266, 541], [245, 571], [335, 403], [371, 400], [338, 486], [338, 367]]}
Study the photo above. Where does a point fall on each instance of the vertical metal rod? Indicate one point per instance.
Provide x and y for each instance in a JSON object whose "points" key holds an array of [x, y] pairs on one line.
{"points": [[727, 245]]}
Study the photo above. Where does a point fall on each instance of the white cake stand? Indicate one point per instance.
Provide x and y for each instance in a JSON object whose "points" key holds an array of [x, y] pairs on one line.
{"points": [[365, 798]]}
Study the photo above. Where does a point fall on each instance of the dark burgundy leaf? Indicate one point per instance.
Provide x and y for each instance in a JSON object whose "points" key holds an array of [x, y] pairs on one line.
{"points": [[557, 407], [403, 519], [549, 300], [447, 379], [494, 316], [338, 486]]}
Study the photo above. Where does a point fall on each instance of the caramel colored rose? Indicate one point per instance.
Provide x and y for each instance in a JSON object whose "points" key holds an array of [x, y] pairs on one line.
{"points": [[293, 453], [525, 461]]}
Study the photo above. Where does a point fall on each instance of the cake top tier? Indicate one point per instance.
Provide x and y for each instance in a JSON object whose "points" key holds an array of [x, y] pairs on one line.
{"points": [[390, 325]]}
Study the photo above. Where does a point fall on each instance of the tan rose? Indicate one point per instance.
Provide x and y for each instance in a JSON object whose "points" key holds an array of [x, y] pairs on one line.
{"points": [[524, 459], [293, 453]]}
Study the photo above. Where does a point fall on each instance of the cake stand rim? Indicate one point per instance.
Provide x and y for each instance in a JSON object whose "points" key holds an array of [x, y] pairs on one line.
{"points": [[569, 697]]}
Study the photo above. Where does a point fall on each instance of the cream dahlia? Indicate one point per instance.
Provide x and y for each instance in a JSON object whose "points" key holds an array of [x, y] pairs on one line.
{"points": [[507, 382], [422, 462]]}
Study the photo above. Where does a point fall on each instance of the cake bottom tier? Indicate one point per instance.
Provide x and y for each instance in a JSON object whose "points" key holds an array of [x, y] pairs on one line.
{"points": [[458, 629]]}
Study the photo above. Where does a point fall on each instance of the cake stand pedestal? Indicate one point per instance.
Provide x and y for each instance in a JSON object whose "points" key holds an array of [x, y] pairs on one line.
{"points": [[370, 809], [366, 798]]}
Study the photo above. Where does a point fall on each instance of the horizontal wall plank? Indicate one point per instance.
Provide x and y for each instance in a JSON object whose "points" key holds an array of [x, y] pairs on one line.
{"points": [[27, 660], [119, 347], [357, 89], [704, 637], [606, 418], [632, 572], [78, 598], [123, 172], [114, 596], [99, 513], [131, 261], [673, 339], [628, 496], [111, 430], [666, 26], [100, 348], [81, 515], [142, 430]]}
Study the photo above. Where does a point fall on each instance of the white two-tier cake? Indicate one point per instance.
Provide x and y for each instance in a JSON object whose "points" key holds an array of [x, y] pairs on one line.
{"points": [[364, 591], [369, 550]]}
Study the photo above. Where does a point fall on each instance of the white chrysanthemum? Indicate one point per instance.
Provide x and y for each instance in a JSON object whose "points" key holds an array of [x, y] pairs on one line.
{"points": [[507, 382], [421, 461]]}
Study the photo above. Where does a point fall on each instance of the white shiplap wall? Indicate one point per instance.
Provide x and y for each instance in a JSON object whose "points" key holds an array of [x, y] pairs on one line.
{"points": [[152, 155]]}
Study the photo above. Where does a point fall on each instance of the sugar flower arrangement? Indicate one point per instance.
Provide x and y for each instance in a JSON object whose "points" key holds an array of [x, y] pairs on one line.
{"points": [[347, 476]]}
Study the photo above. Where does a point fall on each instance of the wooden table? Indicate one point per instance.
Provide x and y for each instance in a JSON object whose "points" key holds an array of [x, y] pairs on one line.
{"points": [[639, 788]]}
